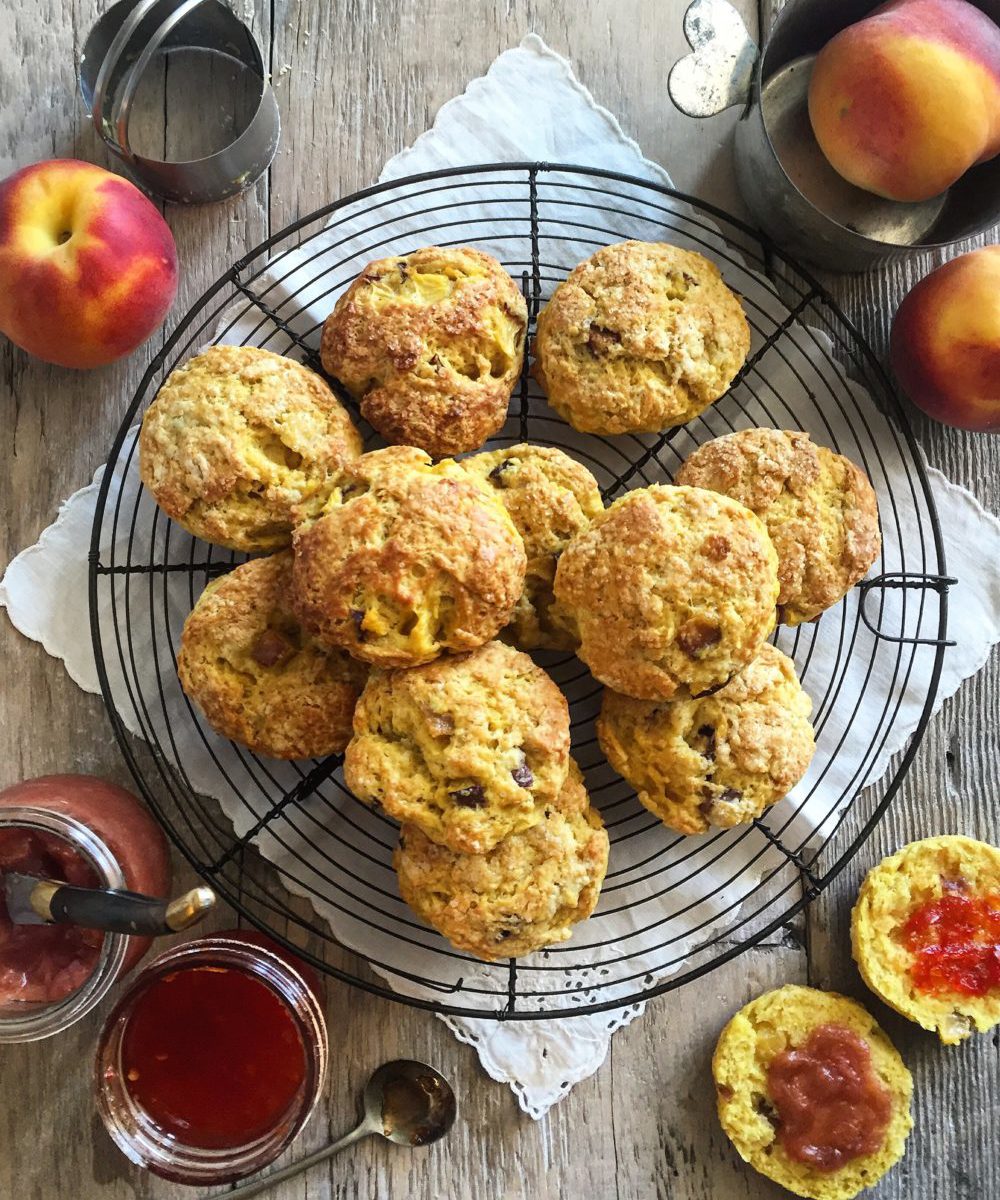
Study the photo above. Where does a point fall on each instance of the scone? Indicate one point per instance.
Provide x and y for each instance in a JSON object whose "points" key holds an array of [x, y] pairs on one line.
{"points": [[819, 509], [527, 892], [258, 678], [239, 438], [468, 749], [550, 497], [925, 931], [407, 559], [718, 760], [640, 337], [669, 588], [431, 344], [812, 1093]]}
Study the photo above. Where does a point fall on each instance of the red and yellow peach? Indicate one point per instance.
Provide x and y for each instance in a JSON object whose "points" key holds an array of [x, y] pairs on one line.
{"points": [[945, 344], [88, 267], [905, 101]]}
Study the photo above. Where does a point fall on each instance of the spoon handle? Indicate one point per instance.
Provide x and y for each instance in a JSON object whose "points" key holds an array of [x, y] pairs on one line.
{"points": [[256, 1186]]}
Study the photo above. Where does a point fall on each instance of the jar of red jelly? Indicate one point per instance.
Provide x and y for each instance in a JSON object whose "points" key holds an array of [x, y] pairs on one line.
{"points": [[83, 831], [213, 1060]]}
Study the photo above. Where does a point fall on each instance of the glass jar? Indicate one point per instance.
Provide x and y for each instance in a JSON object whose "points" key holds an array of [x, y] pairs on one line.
{"points": [[162, 1070], [31, 1020]]}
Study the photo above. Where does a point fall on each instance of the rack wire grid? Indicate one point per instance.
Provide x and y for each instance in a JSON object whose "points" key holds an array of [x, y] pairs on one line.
{"points": [[688, 904]]}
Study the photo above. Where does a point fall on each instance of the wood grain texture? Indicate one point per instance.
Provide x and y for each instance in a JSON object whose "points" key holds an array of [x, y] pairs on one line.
{"points": [[356, 82]]}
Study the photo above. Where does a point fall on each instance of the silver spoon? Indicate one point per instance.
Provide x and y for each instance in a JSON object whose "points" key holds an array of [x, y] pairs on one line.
{"points": [[407, 1102]]}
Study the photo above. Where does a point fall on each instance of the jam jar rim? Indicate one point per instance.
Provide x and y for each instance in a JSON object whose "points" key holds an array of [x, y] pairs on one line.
{"points": [[160, 1152], [47, 1019]]}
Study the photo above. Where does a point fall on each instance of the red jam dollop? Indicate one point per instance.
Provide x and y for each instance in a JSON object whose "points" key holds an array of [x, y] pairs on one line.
{"points": [[955, 943], [213, 1056], [44, 963], [831, 1106]]}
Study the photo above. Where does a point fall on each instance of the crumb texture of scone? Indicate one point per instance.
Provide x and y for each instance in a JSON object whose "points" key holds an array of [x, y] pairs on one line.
{"points": [[431, 344], [526, 893], [669, 588], [638, 338], [408, 558], [469, 748], [237, 440], [719, 760], [550, 497], [954, 882], [771, 1025], [257, 676], [819, 508]]}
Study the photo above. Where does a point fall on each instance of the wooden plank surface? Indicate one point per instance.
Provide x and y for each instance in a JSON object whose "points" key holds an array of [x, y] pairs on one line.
{"points": [[356, 82]]}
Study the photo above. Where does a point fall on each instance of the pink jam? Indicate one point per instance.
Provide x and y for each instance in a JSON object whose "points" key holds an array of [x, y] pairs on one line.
{"points": [[44, 962]]}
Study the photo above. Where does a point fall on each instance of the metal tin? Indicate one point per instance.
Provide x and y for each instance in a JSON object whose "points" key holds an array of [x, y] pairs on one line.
{"points": [[792, 191], [118, 51]]}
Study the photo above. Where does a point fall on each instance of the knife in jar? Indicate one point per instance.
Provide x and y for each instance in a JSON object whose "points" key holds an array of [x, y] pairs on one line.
{"points": [[34, 901]]}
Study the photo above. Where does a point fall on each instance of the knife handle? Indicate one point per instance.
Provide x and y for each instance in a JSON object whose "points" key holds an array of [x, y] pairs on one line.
{"points": [[126, 912]]}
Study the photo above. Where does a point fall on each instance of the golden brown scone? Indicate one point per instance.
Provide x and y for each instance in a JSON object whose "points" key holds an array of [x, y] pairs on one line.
{"points": [[640, 337], [236, 439], [527, 892], [819, 509], [550, 497], [718, 760], [468, 748], [407, 559], [431, 343], [954, 875], [258, 678], [778, 1021], [669, 588]]}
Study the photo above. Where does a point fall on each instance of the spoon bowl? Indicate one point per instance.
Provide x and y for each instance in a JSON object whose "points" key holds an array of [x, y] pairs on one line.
{"points": [[410, 1103]]}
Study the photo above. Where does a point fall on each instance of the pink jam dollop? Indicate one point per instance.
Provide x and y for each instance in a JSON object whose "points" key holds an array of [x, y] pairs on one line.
{"points": [[831, 1106], [44, 962]]}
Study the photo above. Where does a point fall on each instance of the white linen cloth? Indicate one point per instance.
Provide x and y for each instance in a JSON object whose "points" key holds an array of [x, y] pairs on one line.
{"points": [[529, 107]]}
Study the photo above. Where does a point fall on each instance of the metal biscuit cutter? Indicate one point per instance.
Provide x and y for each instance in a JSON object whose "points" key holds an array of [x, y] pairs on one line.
{"points": [[116, 54]]}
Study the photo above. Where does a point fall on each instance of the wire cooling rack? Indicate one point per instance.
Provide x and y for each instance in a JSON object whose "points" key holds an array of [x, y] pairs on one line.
{"points": [[672, 907]]}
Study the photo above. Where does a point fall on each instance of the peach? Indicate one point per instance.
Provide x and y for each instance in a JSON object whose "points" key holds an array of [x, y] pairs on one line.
{"points": [[906, 100], [88, 267], [945, 343]]}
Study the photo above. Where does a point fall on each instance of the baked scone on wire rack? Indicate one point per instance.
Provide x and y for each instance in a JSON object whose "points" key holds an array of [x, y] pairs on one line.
{"points": [[469, 748], [550, 497], [406, 559], [258, 677], [640, 337], [524, 894], [431, 344], [717, 760], [671, 588], [240, 444], [819, 508]]}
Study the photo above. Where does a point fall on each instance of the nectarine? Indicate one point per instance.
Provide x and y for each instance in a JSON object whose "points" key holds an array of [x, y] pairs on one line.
{"points": [[88, 267], [905, 101], [945, 344]]}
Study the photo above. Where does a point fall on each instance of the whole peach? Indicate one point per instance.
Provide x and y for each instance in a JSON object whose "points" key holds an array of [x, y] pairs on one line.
{"points": [[945, 344], [905, 101], [88, 267]]}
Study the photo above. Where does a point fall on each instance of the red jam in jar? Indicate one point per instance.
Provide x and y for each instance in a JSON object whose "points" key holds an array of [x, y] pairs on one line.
{"points": [[830, 1105], [955, 942], [44, 963], [212, 1056], [213, 1059]]}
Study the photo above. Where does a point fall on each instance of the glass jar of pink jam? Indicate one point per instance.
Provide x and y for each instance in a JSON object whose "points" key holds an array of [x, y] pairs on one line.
{"points": [[84, 831]]}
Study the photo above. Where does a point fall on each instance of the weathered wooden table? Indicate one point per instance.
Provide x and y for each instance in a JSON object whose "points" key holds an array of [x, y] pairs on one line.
{"points": [[356, 82]]}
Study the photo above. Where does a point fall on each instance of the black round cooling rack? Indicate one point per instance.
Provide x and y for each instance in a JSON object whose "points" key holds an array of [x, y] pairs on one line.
{"points": [[295, 854]]}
